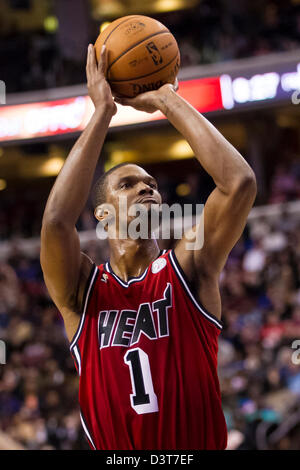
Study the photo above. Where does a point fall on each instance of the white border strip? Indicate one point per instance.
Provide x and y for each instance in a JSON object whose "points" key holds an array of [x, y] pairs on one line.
{"points": [[77, 355], [191, 295], [84, 310], [87, 432], [133, 279], [123, 283]]}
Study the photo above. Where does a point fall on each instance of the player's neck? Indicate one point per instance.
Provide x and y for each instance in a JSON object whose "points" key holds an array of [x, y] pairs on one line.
{"points": [[130, 258]]}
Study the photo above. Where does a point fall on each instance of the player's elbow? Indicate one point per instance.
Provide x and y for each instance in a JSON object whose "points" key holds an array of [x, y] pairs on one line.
{"points": [[50, 222], [52, 226], [246, 184]]}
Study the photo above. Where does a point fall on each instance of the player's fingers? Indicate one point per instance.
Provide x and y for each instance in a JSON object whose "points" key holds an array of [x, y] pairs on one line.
{"points": [[116, 95], [176, 84], [124, 101], [88, 62], [120, 100], [92, 59], [102, 65], [91, 67]]}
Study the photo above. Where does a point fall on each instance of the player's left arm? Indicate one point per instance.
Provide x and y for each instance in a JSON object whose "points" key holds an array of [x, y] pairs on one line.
{"points": [[228, 205]]}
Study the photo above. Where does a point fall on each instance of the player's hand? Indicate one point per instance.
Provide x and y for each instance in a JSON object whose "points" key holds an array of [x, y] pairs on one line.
{"points": [[98, 88], [150, 101]]}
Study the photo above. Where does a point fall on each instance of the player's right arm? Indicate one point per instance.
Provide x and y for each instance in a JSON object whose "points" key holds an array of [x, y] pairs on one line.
{"points": [[65, 268]]}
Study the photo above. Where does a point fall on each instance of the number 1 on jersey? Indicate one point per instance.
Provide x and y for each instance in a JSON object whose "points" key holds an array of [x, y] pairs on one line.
{"points": [[143, 399]]}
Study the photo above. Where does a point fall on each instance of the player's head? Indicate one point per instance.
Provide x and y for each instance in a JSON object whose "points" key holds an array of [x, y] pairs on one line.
{"points": [[126, 181]]}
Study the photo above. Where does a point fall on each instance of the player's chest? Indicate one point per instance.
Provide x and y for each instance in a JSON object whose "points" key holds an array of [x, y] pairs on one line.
{"points": [[124, 318]]}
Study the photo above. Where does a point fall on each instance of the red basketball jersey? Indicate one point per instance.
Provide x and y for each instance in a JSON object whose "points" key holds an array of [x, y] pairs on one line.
{"points": [[146, 354]]}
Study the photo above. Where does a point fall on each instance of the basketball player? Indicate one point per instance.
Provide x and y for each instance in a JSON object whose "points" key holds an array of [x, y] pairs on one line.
{"points": [[144, 326]]}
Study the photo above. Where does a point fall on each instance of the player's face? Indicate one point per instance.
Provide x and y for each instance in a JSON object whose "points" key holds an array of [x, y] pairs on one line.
{"points": [[133, 183]]}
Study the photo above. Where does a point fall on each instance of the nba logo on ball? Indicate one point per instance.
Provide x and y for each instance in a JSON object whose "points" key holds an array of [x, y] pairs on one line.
{"points": [[154, 52], [158, 265]]}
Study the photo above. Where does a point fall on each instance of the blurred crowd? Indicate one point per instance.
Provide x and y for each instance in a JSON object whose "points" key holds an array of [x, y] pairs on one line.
{"points": [[213, 31], [221, 30], [38, 385], [259, 356], [285, 184], [259, 366], [259, 363]]}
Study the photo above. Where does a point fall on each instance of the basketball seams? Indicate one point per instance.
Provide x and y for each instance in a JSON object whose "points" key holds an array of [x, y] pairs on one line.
{"points": [[130, 56], [164, 31], [122, 22], [148, 74]]}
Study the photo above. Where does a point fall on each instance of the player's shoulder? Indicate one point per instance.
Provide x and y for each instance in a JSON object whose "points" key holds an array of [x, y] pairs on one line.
{"points": [[194, 264], [202, 281]]}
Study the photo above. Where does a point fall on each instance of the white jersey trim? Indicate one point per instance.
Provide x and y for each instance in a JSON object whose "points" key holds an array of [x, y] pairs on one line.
{"points": [[79, 329], [78, 358], [133, 279], [123, 283], [87, 431], [210, 317]]}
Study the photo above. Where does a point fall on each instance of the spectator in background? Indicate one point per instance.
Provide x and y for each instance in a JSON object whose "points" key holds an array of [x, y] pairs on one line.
{"points": [[285, 185], [211, 31]]}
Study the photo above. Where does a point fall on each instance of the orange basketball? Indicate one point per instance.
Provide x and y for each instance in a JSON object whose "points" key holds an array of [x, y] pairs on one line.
{"points": [[142, 55]]}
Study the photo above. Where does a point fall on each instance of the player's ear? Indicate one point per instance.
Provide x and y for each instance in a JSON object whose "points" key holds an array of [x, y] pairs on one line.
{"points": [[105, 213], [100, 213]]}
